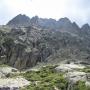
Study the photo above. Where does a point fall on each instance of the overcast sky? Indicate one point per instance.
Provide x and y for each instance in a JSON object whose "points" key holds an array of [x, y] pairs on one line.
{"points": [[75, 10]]}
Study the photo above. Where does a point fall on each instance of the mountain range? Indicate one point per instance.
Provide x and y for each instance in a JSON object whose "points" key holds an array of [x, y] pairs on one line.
{"points": [[26, 41]]}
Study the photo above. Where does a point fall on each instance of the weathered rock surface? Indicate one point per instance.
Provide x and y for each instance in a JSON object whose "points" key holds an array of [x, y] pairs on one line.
{"points": [[44, 40], [13, 83], [76, 76], [73, 73], [7, 70], [68, 67]]}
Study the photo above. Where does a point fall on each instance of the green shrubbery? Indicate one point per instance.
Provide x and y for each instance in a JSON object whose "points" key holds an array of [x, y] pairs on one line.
{"points": [[80, 85], [47, 79], [87, 70]]}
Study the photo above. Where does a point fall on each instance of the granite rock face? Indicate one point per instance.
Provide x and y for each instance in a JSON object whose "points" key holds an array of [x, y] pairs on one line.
{"points": [[24, 42]]}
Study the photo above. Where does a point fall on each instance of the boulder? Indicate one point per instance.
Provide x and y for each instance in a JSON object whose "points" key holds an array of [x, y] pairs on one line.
{"points": [[13, 83], [76, 76], [68, 67], [6, 70], [63, 68]]}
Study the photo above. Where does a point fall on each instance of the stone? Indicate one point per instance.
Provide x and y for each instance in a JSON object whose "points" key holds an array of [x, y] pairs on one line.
{"points": [[68, 67], [13, 83], [76, 76]]}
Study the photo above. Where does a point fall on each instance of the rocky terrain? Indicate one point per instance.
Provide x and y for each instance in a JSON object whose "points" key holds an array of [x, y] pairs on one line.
{"points": [[49, 77], [8, 80], [61, 46], [43, 40]]}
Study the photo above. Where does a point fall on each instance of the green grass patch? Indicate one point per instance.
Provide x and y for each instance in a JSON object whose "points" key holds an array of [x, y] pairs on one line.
{"points": [[47, 79], [80, 85]]}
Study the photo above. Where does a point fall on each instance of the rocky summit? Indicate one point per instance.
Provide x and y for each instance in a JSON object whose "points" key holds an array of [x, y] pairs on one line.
{"points": [[19, 20]]}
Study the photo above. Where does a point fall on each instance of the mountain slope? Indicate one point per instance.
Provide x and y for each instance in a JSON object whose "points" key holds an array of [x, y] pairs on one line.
{"points": [[45, 40]]}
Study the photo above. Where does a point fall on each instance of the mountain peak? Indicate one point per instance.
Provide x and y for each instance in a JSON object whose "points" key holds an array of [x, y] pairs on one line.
{"points": [[19, 20], [65, 19], [75, 25], [85, 27], [34, 20]]}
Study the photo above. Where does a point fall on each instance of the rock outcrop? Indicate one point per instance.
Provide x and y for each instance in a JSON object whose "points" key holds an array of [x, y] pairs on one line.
{"points": [[73, 73], [13, 83], [8, 81], [43, 40]]}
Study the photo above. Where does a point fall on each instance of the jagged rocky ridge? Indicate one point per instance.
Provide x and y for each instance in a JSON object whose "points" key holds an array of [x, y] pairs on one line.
{"points": [[24, 42]]}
